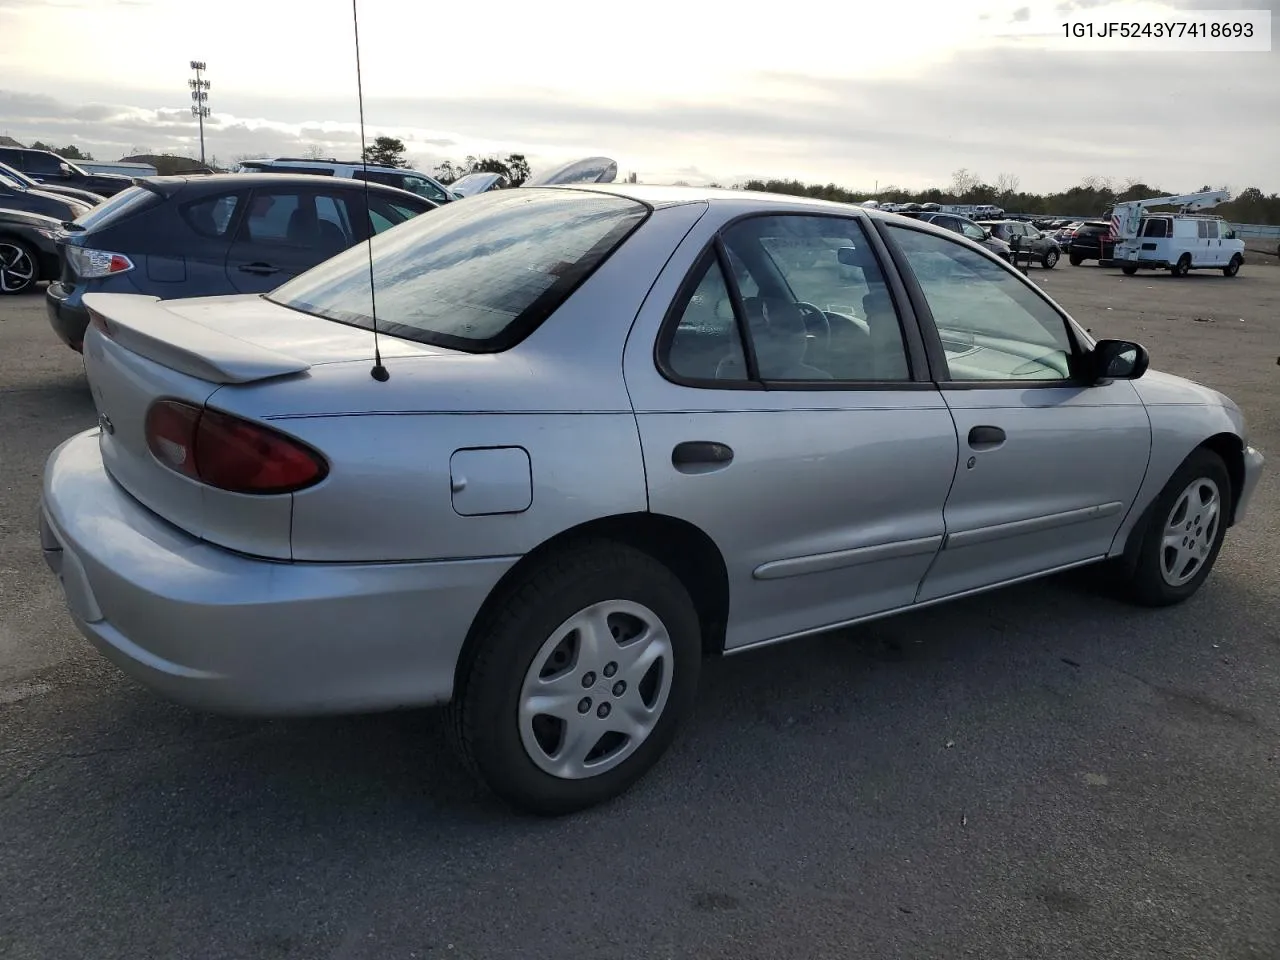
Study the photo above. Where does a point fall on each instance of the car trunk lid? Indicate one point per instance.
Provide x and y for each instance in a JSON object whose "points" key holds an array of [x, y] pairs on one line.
{"points": [[140, 349]]}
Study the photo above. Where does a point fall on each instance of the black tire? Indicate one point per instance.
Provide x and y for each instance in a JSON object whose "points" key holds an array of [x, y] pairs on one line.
{"points": [[1128, 271], [1146, 583], [1233, 266], [484, 712], [1075, 259], [1182, 267], [1050, 259], [19, 267]]}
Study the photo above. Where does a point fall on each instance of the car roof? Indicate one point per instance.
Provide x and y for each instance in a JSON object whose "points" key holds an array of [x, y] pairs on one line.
{"points": [[659, 196], [218, 181]]}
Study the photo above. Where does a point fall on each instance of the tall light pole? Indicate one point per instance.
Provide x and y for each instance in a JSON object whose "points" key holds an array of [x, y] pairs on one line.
{"points": [[200, 100]]}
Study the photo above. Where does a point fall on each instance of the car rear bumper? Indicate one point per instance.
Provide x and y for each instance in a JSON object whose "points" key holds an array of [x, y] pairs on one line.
{"points": [[235, 634], [1253, 463], [67, 314]]}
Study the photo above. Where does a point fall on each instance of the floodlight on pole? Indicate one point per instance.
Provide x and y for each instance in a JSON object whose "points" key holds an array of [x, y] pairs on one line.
{"points": [[200, 99]]}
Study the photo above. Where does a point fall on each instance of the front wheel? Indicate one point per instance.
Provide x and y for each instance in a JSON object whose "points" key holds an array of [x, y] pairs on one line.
{"points": [[576, 684], [18, 271], [1050, 259], [1233, 267], [1184, 532]]}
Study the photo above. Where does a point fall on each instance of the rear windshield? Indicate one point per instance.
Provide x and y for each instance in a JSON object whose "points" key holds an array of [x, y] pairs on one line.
{"points": [[128, 201], [476, 276]]}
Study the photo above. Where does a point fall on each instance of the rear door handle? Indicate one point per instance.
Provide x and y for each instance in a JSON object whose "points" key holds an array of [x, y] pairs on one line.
{"points": [[262, 269], [693, 456], [986, 438]]}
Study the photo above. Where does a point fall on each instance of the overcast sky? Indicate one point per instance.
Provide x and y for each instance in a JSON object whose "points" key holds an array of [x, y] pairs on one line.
{"points": [[859, 92]]}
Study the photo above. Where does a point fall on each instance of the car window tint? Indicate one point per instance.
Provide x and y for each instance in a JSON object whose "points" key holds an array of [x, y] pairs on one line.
{"points": [[818, 307], [993, 326], [270, 215], [422, 187], [707, 344], [213, 216], [334, 210], [973, 231], [43, 164]]}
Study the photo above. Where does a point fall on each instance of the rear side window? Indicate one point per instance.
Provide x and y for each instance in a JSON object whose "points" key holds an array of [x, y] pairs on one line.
{"points": [[126, 203], [476, 276], [213, 217], [43, 164]]}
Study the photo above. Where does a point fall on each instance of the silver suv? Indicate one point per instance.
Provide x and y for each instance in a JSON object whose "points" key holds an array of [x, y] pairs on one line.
{"points": [[411, 180]]}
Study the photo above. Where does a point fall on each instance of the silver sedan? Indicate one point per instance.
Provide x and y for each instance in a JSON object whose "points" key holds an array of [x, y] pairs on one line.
{"points": [[594, 435]]}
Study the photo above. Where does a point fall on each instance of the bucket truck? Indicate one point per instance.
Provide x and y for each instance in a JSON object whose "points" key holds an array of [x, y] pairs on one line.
{"points": [[1177, 242]]}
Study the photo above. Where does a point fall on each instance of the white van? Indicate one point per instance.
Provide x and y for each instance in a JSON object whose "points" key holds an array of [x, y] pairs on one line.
{"points": [[1180, 243], [411, 180]]}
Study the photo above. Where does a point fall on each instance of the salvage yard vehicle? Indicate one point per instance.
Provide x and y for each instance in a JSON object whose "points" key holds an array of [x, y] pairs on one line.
{"points": [[1031, 244], [192, 236], [28, 250], [1178, 242], [585, 437]]}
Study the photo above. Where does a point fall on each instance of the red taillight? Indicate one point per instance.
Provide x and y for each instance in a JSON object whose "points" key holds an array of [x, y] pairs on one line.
{"points": [[227, 452]]}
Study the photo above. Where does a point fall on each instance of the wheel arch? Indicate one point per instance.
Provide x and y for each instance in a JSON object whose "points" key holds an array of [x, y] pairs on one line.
{"points": [[1231, 449], [1226, 445], [686, 550]]}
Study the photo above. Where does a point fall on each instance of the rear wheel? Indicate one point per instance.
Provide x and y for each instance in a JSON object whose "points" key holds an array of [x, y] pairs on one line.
{"points": [[18, 272], [1233, 266], [1075, 259], [1184, 532], [1128, 270], [1050, 259], [1182, 267], [576, 684]]}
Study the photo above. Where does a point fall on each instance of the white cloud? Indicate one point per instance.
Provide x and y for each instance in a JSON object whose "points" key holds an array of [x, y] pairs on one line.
{"points": [[854, 93]]}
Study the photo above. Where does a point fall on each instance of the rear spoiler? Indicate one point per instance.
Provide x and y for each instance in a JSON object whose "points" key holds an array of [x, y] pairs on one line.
{"points": [[143, 325]]}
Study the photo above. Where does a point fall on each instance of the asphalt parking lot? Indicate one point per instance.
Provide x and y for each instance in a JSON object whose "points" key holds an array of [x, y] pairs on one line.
{"points": [[1038, 773]]}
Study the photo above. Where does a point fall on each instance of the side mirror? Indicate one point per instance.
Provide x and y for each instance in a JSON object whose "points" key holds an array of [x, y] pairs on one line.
{"points": [[64, 169], [1119, 360]]}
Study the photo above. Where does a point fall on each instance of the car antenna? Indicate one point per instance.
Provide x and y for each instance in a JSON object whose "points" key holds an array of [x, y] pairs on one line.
{"points": [[379, 372]]}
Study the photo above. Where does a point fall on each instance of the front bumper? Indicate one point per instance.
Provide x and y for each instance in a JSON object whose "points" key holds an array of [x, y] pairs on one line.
{"points": [[1253, 462], [236, 634]]}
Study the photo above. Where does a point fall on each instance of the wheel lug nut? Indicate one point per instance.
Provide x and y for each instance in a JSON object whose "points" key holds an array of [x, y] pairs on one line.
{"points": [[619, 688], [588, 678], [603, 711], [584, 705], [610, 669]]}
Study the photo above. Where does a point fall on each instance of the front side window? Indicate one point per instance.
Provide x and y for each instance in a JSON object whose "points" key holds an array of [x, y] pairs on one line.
{"points": [[423, 188], [474, 276], [43, 164], [993, 326], [973, 231]]}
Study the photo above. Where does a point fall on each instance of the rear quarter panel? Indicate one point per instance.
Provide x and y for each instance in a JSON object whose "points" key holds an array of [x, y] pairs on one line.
{"points": [[559, 396]]}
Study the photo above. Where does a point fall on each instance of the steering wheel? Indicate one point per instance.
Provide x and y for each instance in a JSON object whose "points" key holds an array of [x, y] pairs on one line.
{"points": [[807, 309]]}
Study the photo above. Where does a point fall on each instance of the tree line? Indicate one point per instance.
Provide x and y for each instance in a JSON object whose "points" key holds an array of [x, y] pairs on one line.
{"points": [[1090, 197]]}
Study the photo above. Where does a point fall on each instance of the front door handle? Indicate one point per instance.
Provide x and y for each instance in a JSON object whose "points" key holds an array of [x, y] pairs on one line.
{"points": [[694, 456], [986, 438], [262, 269]]}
